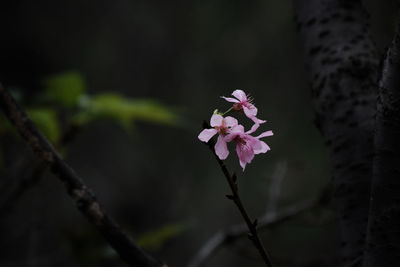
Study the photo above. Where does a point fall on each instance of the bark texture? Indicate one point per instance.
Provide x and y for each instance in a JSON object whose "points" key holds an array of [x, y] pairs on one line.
{"points": [[383, 239], [343, 65]]}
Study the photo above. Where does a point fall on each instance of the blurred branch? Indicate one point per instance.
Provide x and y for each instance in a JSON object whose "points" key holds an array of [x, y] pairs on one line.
{"points": [[231, 234], [355, 263], [251, 225], [275, 186], [84, 198], [34, 174], [25, 182], [271, 217]]}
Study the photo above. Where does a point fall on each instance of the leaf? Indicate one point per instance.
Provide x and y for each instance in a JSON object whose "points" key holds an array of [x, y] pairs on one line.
{"points": [[123, 110], [47, 122], [65, 88], [154, 240]]}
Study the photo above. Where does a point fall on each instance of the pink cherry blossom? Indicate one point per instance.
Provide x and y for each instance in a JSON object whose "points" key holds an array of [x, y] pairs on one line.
{"points": [[243, 103], [222, 126], [246, 145]]}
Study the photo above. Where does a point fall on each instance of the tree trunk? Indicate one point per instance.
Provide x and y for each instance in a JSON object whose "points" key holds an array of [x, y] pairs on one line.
{"points": [[344, 68], [383, 236]]}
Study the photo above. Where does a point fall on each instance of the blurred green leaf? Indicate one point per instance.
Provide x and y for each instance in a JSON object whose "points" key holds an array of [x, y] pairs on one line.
{"points": [[154, 240], [123, 110], [65, 88], [47, 122]]}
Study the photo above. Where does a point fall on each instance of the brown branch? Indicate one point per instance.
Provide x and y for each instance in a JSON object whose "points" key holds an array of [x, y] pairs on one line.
{"points": [[84, 198], [231, 234], [251, 225]]}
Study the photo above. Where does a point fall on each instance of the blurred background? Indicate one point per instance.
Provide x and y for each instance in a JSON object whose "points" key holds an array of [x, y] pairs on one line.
{"points": [[122, 87]]}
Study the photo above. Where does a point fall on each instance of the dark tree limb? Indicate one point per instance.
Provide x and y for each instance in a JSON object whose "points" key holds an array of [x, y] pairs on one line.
{"points": [[84, 198], [231, 234], [30, 173], [383, 237], [343, 65], [235, 197]]}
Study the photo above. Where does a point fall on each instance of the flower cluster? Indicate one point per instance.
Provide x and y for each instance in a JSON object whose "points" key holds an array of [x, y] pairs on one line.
{"points": [[228, 130]]}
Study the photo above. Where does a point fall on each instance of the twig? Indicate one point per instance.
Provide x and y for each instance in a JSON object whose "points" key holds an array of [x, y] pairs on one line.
{"points": [[229, 235], [84, 198], [355, 263], [252, 225]]}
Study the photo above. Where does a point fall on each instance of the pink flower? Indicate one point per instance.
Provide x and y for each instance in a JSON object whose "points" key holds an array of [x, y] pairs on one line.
{"points": [[222, 126], [243, 103], [246, 145]]}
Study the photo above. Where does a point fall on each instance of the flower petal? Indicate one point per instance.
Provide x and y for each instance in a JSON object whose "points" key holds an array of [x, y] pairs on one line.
{"points": [[262, 148], [242, 164], [239, 94], [221, 148], [230, 99], [230, 121], [253, 128], [228, 138], [216, 120], [235, 131], [265, 134], [206, 134], [257, 120], [245, 154], [238, 129], [250, 110], [253, 142]]}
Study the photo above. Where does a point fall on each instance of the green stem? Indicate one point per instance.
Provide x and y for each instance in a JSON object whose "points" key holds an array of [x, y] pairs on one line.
{"points": [[226, 112]]}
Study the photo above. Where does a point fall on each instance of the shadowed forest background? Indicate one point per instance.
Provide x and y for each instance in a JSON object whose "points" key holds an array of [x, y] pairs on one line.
{"points": [[152, 173]]}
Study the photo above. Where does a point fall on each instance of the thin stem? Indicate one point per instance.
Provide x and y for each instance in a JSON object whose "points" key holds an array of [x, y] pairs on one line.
{"points": [[235, 197], [226, 112]]}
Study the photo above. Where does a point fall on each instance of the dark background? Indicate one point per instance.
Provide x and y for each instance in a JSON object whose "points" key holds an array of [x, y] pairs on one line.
{"points": [[185, 54]]}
